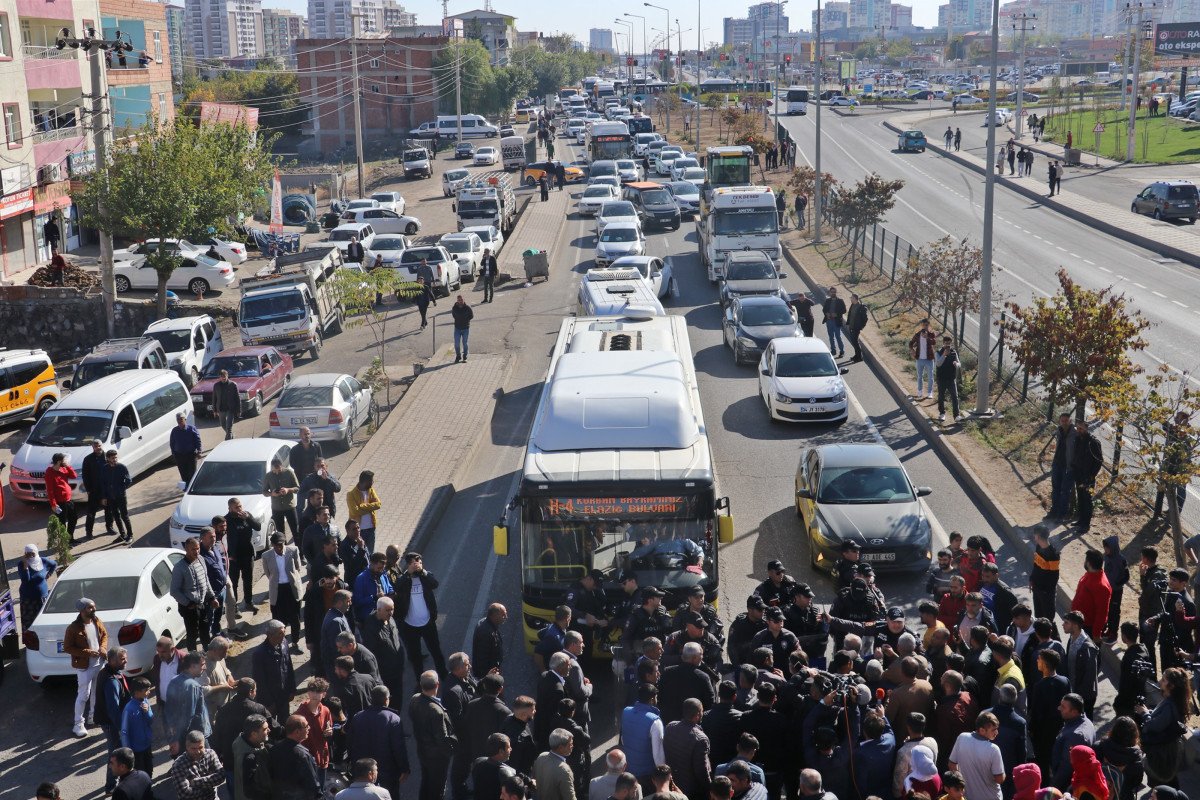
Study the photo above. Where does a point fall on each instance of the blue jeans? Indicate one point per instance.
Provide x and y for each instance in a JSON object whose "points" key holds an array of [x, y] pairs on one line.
{"points": [[834, 330], [216, 614], [460, 342], [924, 370], [1062, 487]]}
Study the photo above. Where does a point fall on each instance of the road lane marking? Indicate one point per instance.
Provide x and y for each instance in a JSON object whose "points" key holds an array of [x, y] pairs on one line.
{"points": [[1181, 305]]}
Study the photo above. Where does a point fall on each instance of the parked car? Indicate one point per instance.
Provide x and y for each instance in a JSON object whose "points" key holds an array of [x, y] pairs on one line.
{"points": [[131, 588], [861, 493], [464, 150], [189, 342], [140, 249], [968, 100], [486, 156], [234, 468], [196, 273], [842, 100], [446, 277], [260, 372], [1026, 97], [619, 238], [1168, 200], [341, 236], [799, 381], [29, 384], [117, 355], [383, 221], [362, 204], [392, 201], [224, 250], [467, 249], [491, 237], [507, 130], [389, 246], [331, 405], [752, 322]]}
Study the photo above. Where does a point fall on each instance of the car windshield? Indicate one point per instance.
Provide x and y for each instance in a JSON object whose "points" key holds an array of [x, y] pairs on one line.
{"points": [[237, 366], [457, 174], [415, 255], [306, 397], [280, 307], [109, 593], [864, 485], [685, 189], [383, 198], [457, 245], [693, 174], [485, 151], [357, 204], [805, 365], [94, 370], [612, 234], [622, 209], [656, 197], [603, 190], [1181, 193], [602, 170], [70, 428], [173, 341], [773, 314], [750, 271], [745, 222], [626, 165], [684, 163], [413, 155], [387, 243], [343, 235], [228, 478]]}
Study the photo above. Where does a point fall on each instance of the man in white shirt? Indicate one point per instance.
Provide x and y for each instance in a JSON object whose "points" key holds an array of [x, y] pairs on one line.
{"points": [[416, 612], [977, 757]]}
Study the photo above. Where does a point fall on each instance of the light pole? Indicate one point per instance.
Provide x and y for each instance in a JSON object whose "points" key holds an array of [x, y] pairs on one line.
{"points": [[1024, 19], [699, 116], [984, 372], [818, 66], [778, 71], [628, 47], [667, 34], [645, 45], [1138, 36]]}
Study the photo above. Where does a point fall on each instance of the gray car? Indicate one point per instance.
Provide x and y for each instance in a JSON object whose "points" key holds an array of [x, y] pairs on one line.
{"points": [[749, 273], [1168, 200], [752, 322], [861, 493]]}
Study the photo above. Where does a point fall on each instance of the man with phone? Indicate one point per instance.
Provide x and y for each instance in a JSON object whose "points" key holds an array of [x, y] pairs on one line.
{"points": [[945, 370]]}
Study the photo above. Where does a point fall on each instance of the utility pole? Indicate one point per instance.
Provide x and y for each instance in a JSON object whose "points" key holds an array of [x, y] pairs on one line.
{"points": [[818, 60], [1131, 141], [356, 95], [94, 47], [1023, 19], [699, 109], [1126, 61], [983, 389], [458, 56]]}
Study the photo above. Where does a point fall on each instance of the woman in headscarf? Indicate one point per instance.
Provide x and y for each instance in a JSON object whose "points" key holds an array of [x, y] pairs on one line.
{"points": [[35, 573], [1167, 793], [1027, 779], [1163, 728], [924, 775], [1087, 778]]}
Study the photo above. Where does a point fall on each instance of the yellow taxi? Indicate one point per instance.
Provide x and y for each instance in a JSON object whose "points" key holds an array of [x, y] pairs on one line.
{"points": [[28, 386], [533, 172]]}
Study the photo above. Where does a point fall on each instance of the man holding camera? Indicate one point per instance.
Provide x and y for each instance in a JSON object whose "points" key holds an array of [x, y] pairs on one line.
{"points": [[945, 372]]}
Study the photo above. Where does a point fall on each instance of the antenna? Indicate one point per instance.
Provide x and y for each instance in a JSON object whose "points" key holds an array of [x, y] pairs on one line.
{"points": [[445, 9]]}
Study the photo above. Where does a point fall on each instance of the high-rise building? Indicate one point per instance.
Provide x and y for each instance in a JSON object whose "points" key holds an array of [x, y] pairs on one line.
{"points": [[395, 15], [870, 14], [224, 28], [497, 31], [901, 16], [835, 16], [336, 19], [281, 28], [969, 15], [738, 31], [176, 27], [600, 40]]}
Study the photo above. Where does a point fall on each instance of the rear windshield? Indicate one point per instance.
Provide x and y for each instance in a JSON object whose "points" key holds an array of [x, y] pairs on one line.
{"points": [[1181, 193], [108, 592], [306, 396]]}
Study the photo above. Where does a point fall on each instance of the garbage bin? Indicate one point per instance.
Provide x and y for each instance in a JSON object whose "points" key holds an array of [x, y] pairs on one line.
{"points": [[536, 264], [1072, 156]]}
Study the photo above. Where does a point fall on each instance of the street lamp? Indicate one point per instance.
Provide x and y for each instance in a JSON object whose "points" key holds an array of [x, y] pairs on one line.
{"points": [[628, 48], [666, 11], [645, 46], [983, 374]]}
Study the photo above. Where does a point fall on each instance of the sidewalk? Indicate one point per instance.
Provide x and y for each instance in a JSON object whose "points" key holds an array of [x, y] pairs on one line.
{"points": [[1163, 238], [540, 223]]}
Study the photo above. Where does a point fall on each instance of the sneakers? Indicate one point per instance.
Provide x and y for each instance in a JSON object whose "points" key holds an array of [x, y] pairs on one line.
{"points": [[79, 731], [457, 359], [942, 417]]}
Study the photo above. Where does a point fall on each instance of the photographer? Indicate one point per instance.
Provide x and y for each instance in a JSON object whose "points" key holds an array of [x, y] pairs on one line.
{"points": [[1136, 669], [1164, 727]]}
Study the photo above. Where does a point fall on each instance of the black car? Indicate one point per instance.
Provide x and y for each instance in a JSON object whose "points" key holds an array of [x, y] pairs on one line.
{"points": [[654, 203], [752, 322], [464, 150]]}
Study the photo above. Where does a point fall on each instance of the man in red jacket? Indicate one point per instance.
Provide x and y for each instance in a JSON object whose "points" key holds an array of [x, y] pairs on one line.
{"points": [[953, 603], [58, 491], [1093, 594]]}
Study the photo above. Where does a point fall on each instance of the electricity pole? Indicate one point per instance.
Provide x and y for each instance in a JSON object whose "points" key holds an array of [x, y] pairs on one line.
{"points": [[818, 61], [1137, 78], [1023, 19], [699, 115], [984, 373], [357, 97]]}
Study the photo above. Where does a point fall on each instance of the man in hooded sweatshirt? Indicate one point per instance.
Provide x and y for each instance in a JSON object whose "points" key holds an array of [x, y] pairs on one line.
{"points": [[1116, 569], [1093, 594]]}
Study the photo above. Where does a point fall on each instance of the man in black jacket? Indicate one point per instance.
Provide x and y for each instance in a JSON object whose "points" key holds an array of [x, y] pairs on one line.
{"points": [[293, 770], [945, 374], [489, 771], [274, 675], [485, 715], [381, 636], [240, 526], [551, 687], [722, 724], [434, 735], [1089, 458], [303, 457], [458, 691], [231, 719], [89, 475], [462, 314], [1062, 481], [416, 614], [355, 252], [684, 680], [488, 270], [833, 312], [856, 322], [321, 478], [131, 784], [226, 403], [487, 645]]}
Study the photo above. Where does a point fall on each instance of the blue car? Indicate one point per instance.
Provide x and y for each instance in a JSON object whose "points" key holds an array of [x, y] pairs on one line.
{"points": [[911, 142]]}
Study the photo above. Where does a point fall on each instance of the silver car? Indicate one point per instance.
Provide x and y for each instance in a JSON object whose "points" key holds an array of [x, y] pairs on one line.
{"points": [[331, 405]]}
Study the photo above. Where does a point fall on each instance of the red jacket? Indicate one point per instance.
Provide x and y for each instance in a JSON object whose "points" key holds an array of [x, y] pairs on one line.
{"points": [[58, 491], [1092, 596], [949, 610]]}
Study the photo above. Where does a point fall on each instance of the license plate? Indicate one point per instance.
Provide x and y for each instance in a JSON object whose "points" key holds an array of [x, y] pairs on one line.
{"points": [[811, 409], [879, 556], [40, 495], [59, 647], [304, 420]]}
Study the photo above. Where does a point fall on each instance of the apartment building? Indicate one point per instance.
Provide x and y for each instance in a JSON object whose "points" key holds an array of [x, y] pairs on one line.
{"points": [[281, 29], [224, 28]]}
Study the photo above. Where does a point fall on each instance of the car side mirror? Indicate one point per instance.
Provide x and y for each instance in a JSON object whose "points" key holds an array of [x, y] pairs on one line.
{"points": [[844, 371], [924, 491], [181, 485], [804, 494], [123, 432], [67, 383], [766, 371]]}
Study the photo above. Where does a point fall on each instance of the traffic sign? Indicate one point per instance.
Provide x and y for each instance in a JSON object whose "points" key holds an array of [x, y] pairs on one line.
{"points": [[1099, 128]]}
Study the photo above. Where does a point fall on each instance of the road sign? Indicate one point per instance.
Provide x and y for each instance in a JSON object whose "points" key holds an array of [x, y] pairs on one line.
{"points": [[1099, 128]]}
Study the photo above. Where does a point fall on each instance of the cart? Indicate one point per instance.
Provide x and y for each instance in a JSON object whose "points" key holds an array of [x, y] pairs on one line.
{"points": [[537, 264]]}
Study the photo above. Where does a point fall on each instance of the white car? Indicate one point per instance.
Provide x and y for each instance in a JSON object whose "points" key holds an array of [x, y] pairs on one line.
{"points": [[628, 170], [340, 238], [452, 179], [619, 239], [687, 196], [446, 276], [467, 250], [693, 175], [1003, 115], [491, 237], [331, 405], [383, 221], [665, 156], [641, 142], [392, 201], [189, 342], [573, 127], [140, 249], [842, 100], [362, 203], [653, 269], [389, 247], [615, 211], [680, 164], [595, 196], [606, 180], [131, 588], [197, 274], [799, 381], [234, 468], [486, 155], [225, 250], [968, 100]]}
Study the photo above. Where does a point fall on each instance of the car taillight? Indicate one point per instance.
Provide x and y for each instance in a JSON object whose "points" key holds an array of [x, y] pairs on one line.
{"points": [[225, 271], [31, 641], [335, 417], [238, 250], [274, 421], [131, 633]]}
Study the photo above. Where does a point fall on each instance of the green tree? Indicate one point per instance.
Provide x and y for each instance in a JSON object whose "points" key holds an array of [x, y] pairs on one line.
{"points": [[358, 292], [174, 181], [867, 51], [862, 205], [475, 74], [274, 91], [944, 277]]}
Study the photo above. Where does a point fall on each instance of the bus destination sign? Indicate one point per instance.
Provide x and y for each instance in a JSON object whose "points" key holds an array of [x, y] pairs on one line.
{"points": [[587, 507]]}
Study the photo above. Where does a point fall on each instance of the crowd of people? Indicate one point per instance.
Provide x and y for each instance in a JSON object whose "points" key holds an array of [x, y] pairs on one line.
{"points": [[977, 695]]}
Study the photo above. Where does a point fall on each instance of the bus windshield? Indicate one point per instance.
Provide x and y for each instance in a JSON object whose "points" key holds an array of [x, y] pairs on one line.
{"points": [[745, 222], [660, 538]]}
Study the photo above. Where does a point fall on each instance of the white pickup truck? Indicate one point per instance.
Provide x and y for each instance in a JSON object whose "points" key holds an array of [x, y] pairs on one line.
{"points": [[443, 266]]}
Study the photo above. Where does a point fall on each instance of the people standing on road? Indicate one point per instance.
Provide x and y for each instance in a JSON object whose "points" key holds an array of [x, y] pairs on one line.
{"points": [[954, 105], [957, 139], [1058, 173], [303, 457], [193, 594], [362, 505], [921, 348], [434, 735], [115, 480], [196, 772], [227, 403], [544, 188], [381, 636], [945, 370], [186, 447], [274, 674], [1029, 157], [487, 643], [560, 175], [833, 312], [294, 771], [58, 492], [804, 312], [35, 573], [321, 478], [377, 733], [781, 207], [52, 234], [187, 712], [462, 314], [355, 252], [216, 567], [1089, 458], [416, 608], [129, 781], [423, 298], [282, 485], [1011, 155], [112, 691], [90, 472], [86, 642], [281, 565], [948, 136], [856, 322], [488, 269]]}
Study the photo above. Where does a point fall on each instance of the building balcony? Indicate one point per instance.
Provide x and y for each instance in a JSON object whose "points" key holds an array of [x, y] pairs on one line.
{"points": [[53, 73], [46, 9], [43, 51], [58, 134]]}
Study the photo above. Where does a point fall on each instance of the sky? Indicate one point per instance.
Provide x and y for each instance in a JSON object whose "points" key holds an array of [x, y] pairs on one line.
{"points": [[578, 16]]}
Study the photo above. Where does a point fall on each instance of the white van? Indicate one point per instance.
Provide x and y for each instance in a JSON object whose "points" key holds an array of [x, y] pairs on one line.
{"points": [[609, 292], [131, 412], [512, 152], [472, 125], [190, 343]]}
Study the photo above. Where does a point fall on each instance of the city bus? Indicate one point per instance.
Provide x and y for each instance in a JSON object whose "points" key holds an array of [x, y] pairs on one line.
{"points": [[618, 474], [608, 140], [797, 101]]}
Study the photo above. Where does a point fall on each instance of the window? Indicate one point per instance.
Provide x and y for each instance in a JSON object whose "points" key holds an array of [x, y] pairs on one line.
{"points": [[12, 125], [127, 419], [149, 408], [26, 373], [160, 580], [158, 49], [162, 106], [6, 52]]}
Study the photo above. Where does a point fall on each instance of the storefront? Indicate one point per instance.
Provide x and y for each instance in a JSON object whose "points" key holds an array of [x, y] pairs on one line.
{"points": [[16, 251], [53, 201]]}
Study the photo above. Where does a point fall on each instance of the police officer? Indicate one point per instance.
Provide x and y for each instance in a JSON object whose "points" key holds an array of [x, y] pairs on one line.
{"points": [[895, 628], [695, 629], [650, 619], [695, 602], [628, 602], [856, 610], [847, 568], [867, 572], [774, 589], [802, 619], [743, 629], [781, 641], [588, 616]]}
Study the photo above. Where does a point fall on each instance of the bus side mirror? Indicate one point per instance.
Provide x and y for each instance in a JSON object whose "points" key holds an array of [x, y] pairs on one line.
{"points": [[500, 539], [725, 529]]}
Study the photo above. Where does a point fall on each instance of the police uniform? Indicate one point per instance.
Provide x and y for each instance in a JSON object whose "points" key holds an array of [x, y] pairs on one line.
{"points": [[587, 601], [673, 649], [643, 623], [716, 628], [855, 606], [806, 623], [782, 647], [742, 630]]}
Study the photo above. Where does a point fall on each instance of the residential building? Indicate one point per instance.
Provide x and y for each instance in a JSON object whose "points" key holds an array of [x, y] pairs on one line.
{"points": [[394, 15], [420, 31], [224, 28], [497, 31], [600, 40], [969, 15], [834, 16], [176, 27], [738, 32], [399, 90], [871, 14], [139, 90], [901, 16], [281, 28]]}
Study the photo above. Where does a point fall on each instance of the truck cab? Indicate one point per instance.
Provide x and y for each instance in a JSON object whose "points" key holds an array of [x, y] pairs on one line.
{"points": [[737, 218], [292, 306]]}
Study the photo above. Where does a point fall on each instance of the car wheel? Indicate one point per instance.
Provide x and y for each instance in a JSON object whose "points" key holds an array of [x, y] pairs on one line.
{"points": [[315, 350], [122, 284], [1192, 220], [256, 406], [43, 406], [1133, 208], [198, 286], [335, 327], [348, 439], [530, 182], [410, 229]]}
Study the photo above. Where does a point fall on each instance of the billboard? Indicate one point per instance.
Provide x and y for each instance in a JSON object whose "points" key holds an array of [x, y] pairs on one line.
{"points": [[231, 113], [1177, 39]]}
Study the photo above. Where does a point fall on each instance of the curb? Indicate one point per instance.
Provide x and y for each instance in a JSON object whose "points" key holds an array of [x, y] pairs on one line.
{"points": [[996, 514], [1186, 256]]}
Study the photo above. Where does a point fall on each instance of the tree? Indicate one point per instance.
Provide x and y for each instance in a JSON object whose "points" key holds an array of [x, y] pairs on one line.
{"points": [[358, 292], [867, 51], [271, 89], [176, 181], [475, 75], [862, 205], [944, 276], [1077, 342], [804, 181]]}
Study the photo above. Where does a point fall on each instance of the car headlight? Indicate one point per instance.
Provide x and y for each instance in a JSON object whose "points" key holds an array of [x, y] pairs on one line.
{"points": [[746, 341], [840, 396], [17, 472], [782, 398], [176, 521]]}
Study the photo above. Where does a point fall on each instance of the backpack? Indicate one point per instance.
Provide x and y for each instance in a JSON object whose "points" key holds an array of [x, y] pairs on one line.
{"points": [[256, 775]]}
